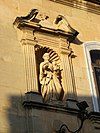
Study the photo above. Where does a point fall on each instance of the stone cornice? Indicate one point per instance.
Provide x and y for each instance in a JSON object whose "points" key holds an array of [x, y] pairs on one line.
{"points": [[82, 5], [42, 106], [23, 23], [32, 25], [94, 1], [95, 118]]}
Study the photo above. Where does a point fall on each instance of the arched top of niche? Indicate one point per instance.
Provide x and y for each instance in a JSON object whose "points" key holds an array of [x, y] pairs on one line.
{"points": [[54, 57]]}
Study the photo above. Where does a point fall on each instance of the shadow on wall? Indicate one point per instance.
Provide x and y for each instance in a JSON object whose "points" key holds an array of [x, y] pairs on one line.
{"points": [[77, 41], [17, 115]]}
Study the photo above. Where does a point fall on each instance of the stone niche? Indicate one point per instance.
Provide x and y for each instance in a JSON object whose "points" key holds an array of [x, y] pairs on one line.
{"points": [[50, 100], [48, 80]]}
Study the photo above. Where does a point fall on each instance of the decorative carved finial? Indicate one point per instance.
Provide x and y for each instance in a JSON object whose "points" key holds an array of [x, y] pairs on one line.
{"points": [[62, 24], [31, 16]]}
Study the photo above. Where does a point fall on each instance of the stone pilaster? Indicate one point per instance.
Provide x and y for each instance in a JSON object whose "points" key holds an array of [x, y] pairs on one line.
{"points": [[30, 63], [66, 73]]}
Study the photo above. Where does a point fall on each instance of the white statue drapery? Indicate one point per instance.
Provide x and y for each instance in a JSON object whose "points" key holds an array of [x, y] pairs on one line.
{"points": [[50, 84]]}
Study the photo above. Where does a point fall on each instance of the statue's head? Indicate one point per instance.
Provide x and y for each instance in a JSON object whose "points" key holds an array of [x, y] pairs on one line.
{"points": [[46, 56]]}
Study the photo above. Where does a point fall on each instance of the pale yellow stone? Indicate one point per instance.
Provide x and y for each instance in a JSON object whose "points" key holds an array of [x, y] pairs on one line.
{"points": [[12, 67]]}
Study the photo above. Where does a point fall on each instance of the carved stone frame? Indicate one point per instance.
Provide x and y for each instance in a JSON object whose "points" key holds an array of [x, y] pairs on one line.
{"points": [[32, 35]]}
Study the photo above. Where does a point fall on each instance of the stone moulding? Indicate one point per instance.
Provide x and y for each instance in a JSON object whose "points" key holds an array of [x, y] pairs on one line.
{"points": [[94, 117], [22, 24], [82, 5], [36, 105], [34, 23]]}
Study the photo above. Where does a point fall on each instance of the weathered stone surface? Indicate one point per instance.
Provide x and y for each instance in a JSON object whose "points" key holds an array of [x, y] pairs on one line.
{"points": [[12, 71]]}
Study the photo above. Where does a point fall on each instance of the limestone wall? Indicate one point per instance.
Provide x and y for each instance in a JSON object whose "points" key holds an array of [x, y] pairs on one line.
{"points": [[12, 72]]}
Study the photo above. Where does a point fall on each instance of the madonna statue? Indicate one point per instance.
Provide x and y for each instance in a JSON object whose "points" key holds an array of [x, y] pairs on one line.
{"points": [[50, 84]]}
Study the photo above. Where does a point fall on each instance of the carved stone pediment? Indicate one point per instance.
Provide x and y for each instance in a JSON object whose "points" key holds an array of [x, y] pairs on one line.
{"points": [[41, 22]]}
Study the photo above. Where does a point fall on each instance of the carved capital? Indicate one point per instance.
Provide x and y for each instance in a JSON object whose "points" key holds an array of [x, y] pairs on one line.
{"points": [[28, 42], [64, 50]]}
